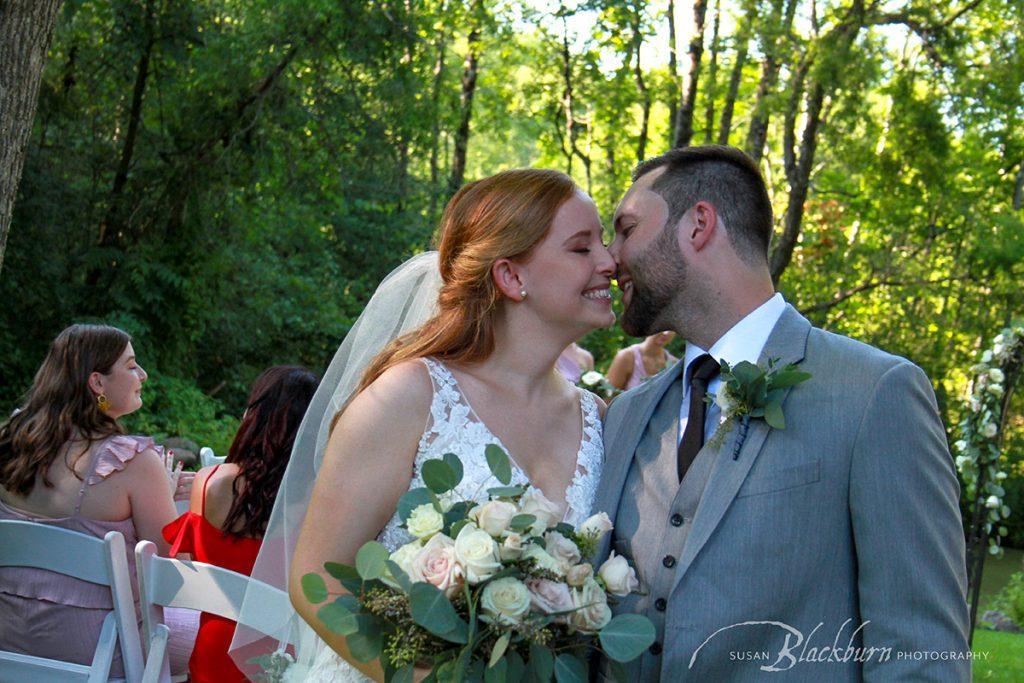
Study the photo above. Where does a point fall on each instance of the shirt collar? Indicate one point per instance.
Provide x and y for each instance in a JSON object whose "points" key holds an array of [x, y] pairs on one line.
{"points": [[746, 339]]}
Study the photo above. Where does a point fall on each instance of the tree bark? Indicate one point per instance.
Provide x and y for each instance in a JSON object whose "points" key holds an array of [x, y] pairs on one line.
{"points": [[469, 74], [26, 29], [712, 89], [684, 124], [1018, 190], [780, 22], [725, 121], [645, 95], [673, 71], [435, 131]]}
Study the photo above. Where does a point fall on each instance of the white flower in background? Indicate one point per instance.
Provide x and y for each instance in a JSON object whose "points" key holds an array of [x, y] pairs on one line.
{"points": [[996, 375], [562, 549], [986, 357], [549, 597], [592, 611], [596, 525], [493, 516], [477, 552], [618, 576], [435, 564], [975, 404], [535, 503], [505, 601], [425, 521], [978, 368], [992, 502], [961, 460], [960, 445], [995, 389], [542, 558], [1000, 476], [591, 378], [999, 351], [511, 548], [579, 575], [989, 430], [999, 339]]}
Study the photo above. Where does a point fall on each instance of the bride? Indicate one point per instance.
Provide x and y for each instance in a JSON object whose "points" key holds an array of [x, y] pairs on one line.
{"points": [[523, 273]]}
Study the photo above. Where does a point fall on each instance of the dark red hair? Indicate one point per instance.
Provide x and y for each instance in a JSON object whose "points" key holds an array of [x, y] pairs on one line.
{"points": [[263, 444]]}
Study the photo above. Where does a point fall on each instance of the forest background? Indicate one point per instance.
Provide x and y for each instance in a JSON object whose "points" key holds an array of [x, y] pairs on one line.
{"points": [[229, 180]]}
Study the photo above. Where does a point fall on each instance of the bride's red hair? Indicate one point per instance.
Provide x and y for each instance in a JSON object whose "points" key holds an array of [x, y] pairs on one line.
{"points": [[503, 216]]}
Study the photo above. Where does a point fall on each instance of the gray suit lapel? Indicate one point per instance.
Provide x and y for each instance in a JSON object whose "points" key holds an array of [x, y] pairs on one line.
{"points": [[787, 343], [620, 448]]}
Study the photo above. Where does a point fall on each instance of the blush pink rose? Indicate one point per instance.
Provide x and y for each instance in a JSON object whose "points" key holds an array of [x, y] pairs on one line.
{"points": [[435, 564]]}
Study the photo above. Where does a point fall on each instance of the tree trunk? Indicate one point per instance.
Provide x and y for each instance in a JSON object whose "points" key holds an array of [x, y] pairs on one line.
{"points": [[469, 73], [778, 28], [26, 29], [435, 130], [684, 125], [725, 122], [673, 71], [645, 95], [712, 89]]}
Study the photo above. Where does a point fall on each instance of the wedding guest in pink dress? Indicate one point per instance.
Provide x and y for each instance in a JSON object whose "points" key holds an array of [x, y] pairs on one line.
{"points": [[634, 364], [66, 462], [574, 361]]}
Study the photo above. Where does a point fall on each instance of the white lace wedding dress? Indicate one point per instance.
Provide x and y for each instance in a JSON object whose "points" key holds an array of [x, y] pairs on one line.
{"points": [[453, 427]]}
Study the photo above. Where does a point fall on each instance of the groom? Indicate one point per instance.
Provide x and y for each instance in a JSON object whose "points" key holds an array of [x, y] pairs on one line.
{"points": [[831, 550]]}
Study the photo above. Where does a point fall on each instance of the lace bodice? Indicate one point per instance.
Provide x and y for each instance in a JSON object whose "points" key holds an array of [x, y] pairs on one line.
{"points": [[454, 427]]}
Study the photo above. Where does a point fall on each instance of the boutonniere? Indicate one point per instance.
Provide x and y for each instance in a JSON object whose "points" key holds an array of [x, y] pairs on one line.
{"points": [[751, 392]]}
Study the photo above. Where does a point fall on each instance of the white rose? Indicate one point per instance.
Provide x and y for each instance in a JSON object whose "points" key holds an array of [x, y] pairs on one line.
{"points": [[618, 576], [591, 378], [549, 597], [562, 549], [494, 516], [425, 521], [405, 555], [447, 500], [579, 575], [725, 402], [989, 430], [597, 525], [505, 601], [435, 564], [960, 445], [996, 375], [535, 503], [998, 338], [592, 611], [992, 502], [986, 357], [511, 548], [477, 552], [542, 558], [999, 351]]}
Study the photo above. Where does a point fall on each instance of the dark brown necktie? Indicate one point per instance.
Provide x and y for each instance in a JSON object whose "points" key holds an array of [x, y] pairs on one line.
{"points": [[701, 372]]}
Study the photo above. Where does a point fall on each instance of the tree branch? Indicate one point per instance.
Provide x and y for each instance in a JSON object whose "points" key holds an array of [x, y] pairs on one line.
{"points": [[840, 297]]}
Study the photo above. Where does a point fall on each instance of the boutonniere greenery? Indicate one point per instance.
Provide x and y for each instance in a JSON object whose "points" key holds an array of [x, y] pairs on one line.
{"points": [[751, 392]]}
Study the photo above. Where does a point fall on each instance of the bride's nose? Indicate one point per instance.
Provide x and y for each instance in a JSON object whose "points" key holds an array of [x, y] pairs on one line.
{"points": [[605, 262]]}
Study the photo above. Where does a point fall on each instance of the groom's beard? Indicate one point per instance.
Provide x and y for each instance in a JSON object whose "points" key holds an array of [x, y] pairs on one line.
{"points": [[659, 276]]}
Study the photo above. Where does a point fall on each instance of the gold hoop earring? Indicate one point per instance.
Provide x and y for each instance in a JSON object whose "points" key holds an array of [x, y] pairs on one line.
{"points": [[103, 403]]}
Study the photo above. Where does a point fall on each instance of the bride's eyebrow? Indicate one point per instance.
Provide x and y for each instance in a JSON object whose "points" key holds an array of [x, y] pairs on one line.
{"points": [[581, 233]]}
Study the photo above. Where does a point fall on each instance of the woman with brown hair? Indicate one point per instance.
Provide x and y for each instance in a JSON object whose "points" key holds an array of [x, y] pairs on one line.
{"points": [[523, 273], [231, 502], [65, 461]]}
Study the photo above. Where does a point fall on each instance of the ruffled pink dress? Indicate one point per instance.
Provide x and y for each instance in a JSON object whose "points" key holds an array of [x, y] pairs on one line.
{"points": [[59, 617]]}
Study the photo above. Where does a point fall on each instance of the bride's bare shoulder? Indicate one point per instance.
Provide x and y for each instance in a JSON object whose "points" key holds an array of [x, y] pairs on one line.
{"points": [[405, 387]]}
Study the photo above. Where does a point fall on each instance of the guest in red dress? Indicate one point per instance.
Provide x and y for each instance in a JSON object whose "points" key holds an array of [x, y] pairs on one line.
{"points": [[231, 503]]}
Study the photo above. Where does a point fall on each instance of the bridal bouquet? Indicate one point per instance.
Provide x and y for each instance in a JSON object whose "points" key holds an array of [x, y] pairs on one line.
{"points": [[491, 591]]}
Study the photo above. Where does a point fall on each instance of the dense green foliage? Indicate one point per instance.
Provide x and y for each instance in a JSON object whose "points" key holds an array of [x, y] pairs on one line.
{"points": [[229, 180]]}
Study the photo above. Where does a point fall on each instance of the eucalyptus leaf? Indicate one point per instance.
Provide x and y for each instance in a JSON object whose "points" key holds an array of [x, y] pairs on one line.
{"points": [[788, 378], [541, 664], [338, 618], [773, 415], [412, 499], [439, 476], [367, 642], [453, 461], [498, 461], [431, 609], [341, 571], [403, 675], [497, 672], [516, 666], [371, 559], [314, 588], [746, 372], [399, 576], [522, 522], [498, 651], [570, 669], [506, 491], [626, 637]]}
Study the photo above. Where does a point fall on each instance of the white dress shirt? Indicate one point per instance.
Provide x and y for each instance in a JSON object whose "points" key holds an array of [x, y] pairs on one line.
{"points": [[743, 342]]}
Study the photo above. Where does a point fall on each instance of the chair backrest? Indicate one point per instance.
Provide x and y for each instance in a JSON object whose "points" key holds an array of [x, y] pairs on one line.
{"points": [[165, 582], [208, 459], [85, 557]]}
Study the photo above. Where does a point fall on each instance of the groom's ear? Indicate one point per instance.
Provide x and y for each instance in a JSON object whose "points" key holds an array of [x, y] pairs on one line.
{"points": [[507, 276], [702, 225]]}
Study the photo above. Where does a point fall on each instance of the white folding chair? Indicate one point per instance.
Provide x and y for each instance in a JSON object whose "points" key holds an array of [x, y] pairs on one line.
{"points": [[207, 458], [182, 506], [104, 562], [165, 582]]}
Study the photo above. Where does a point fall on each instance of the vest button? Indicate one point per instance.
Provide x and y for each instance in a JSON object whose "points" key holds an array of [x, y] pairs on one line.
{"points": [[676, 519], [656, 649], [660, 604], [669, 561]]}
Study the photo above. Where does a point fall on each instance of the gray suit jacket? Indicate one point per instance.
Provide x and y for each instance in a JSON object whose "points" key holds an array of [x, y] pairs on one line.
{"points": [[842, 531]]}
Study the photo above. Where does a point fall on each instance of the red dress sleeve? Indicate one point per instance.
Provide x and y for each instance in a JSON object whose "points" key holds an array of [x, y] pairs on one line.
{"points": [[181, 534]]}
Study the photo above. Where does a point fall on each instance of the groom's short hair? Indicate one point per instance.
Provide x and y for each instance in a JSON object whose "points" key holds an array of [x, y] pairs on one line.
{"points": [[727, 178]]}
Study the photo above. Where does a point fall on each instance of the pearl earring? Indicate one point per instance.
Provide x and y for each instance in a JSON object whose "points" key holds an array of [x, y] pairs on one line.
{"points": [[522, 293]]}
